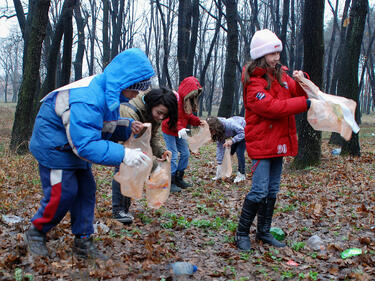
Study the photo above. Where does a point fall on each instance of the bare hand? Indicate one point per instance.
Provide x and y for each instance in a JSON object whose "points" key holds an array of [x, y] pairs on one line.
{"points": [[228, 143], [298, 75], [137, 127], [167, 154]]}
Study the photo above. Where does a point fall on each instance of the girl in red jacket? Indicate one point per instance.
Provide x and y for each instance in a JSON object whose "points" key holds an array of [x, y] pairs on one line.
{"points": [[271, 99], [187, 96]]}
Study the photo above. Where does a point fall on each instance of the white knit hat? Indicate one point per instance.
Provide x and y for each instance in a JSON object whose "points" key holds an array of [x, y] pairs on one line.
{"points": [[264, 42]]}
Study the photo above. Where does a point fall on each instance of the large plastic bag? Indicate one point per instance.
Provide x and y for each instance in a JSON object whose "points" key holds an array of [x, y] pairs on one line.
{"points": [[159, 184], [226, 165], [133, 178], [202, 137], [328, 112]]}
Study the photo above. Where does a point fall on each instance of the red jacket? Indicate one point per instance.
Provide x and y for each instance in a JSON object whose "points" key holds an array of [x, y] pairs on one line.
{"points": [[188, 89], [270, 129]]}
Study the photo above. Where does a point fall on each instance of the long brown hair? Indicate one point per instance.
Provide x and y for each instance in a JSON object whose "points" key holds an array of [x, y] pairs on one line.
{"points": [[261, 63], [217, 129]]}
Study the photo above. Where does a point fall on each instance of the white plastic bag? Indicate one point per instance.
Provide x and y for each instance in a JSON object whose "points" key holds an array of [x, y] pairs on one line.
{"points": [[226, 165], [159, 184], [198, 140], [132, 178], [330, 113]]}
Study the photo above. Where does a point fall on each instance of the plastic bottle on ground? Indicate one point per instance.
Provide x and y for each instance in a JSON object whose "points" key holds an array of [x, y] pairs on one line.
{"points": [[180, 268], [316, 243]]}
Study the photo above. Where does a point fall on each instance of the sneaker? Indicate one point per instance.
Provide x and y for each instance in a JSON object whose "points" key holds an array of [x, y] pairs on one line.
{"points": [[124, 217], [85, 248], [239, 177], [36, 242]]}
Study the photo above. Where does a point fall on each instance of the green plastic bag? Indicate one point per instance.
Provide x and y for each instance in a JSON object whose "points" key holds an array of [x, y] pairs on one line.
{"points": [[351, 253], [277, 233]]}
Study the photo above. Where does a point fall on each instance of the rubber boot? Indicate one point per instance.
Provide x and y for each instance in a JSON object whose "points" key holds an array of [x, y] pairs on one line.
{"points": [[248, 213], [36, 242], [265, 214], [179, 180], [174, 187], [85, 248]]}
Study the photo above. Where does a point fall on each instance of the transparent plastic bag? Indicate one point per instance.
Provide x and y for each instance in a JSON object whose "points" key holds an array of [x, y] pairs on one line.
{"points": [[159, 184], [202, 137], [133, 178], [226, 165], [330, 113]]}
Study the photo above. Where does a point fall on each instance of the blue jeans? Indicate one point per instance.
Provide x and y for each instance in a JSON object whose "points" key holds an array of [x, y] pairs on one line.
{"points": [[176, 146], [266, 178], [119, 201], [239, 148]]}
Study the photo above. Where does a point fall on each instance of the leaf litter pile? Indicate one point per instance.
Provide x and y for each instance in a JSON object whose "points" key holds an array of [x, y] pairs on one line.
{"points": [[335, 201]]}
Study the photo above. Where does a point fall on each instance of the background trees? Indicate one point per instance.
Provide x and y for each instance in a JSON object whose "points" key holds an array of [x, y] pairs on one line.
{"points": [[208, 39]]}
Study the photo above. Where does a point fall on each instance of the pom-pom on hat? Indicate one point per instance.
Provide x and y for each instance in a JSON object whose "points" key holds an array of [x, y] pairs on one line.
{"points": [[264, 42], [140, 86]]}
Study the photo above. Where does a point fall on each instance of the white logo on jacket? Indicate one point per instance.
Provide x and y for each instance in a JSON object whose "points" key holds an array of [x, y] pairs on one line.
{"points": [[281, 148]]}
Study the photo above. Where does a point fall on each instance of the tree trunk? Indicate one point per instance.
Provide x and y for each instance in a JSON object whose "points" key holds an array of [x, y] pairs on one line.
{"points": [[68, 44], [331, 46], [106, 45], [49, 83], [81, 43], [22, 126], [165, 47], [348, 78], [116, 26], [309, 140], [284, 27], [226, 104], [187, 36]]}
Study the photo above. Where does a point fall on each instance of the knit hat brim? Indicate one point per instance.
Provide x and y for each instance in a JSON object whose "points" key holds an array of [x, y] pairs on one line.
{"points": [[268, 48], [140, 86]]}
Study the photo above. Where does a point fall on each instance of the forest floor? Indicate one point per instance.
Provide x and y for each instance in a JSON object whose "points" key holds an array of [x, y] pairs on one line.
{"points": [[335, 200]]}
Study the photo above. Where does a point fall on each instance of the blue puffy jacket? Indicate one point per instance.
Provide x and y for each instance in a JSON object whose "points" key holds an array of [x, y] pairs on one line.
{"points": [[74, 125]]}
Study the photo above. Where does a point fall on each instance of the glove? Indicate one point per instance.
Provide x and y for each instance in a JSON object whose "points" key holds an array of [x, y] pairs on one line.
{"points": [[135, 157], [182, 134], [218, 173]]}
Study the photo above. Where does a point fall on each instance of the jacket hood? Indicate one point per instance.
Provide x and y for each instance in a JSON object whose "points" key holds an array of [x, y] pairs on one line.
{"points": [[189, 85], [127, 68], [189, 90]]}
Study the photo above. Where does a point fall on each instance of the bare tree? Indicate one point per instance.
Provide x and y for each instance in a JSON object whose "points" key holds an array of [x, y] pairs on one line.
{"points": [[226, 104], [33, 36], [309, 140], [348, 76], [188, 16]]}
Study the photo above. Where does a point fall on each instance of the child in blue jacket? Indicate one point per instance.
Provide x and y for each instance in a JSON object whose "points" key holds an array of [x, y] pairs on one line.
{"points": [[73, 130]]}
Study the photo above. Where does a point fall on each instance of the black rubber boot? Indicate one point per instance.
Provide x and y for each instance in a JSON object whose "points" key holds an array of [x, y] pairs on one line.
{"points": [[85, 248], [179, 180], [174, 187], [36, 242], [265, 214], [248, 213]]}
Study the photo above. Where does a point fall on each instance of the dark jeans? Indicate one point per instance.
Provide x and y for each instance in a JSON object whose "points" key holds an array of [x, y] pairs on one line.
{"points": [[119, 201], [239, 148]]}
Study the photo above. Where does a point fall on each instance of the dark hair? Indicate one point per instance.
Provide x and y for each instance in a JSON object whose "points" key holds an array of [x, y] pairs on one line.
{"points": [[261, 63], [217, 129], [165, 97]]}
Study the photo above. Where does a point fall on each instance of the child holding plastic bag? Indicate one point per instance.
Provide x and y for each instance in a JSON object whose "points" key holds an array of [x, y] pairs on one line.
{"points": [[229, 133], [152, 107], [271, 99], [175, 139]]}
